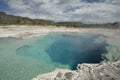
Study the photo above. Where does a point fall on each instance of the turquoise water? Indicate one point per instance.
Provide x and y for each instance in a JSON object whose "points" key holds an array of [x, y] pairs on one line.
{"points": [[25, 59]]}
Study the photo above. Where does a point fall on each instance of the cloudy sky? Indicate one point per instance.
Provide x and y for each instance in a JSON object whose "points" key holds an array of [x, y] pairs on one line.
{"points": [[87, 11]]}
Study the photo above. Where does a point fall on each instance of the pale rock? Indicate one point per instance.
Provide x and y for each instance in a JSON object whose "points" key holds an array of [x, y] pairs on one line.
{"points": [[101, 71]]}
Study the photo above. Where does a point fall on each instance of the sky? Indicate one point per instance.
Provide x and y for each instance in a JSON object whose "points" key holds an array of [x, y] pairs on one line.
{"points": [[86, 11]]}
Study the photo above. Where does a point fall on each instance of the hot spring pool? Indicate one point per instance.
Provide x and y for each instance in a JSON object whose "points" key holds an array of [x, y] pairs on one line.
{"points": [[24, 59]]}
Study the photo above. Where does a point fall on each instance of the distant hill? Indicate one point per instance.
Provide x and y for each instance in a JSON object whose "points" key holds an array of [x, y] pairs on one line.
{"points": [[10, 19], [6, 19]]}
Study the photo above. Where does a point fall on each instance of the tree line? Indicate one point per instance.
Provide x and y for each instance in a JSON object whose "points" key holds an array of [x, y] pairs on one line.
{"points": [[6, 19]]}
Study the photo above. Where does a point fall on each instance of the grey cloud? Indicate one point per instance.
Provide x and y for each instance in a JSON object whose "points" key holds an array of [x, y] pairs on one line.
{"points": [[68, 10]]}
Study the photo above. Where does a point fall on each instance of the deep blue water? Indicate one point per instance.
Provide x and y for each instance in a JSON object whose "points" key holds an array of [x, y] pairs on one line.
{"points": [[74, 49], [25, 59], [67, 49]]}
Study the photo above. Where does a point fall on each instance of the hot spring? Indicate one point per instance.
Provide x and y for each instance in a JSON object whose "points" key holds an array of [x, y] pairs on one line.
{"points": [[24, 59]]}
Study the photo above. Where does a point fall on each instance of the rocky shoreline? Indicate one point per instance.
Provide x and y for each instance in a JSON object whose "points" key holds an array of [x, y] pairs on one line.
{"points": [[101, 71]]}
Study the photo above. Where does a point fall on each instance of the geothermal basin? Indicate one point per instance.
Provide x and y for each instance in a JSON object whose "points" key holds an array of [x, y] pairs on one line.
{"points": [[23, 59]]}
